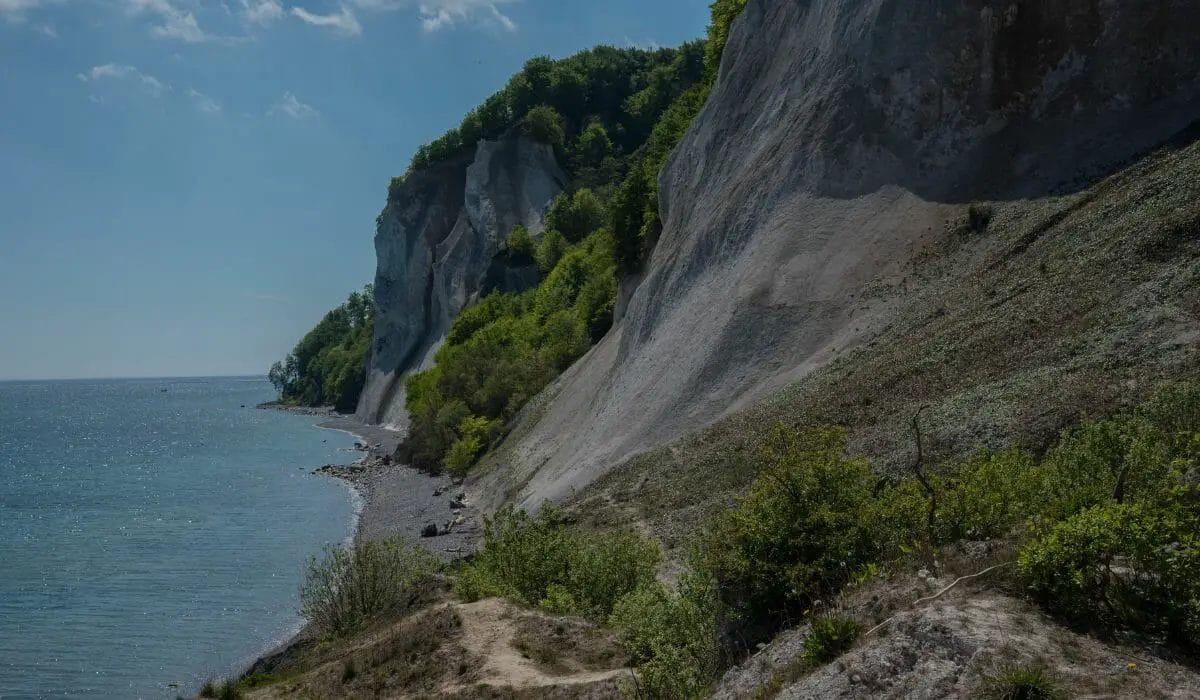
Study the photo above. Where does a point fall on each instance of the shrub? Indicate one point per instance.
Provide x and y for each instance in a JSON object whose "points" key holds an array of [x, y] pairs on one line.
{"points": [[831, 636], [1130, 565], [543, 123], [540, 561], [551, 249], [347, 589], [575, 216], [1140, 455], [671, 636], [474, 435], [1022, 683], [208, 690], [806, 525], [593, 145], [520, 245], [986, 495]]}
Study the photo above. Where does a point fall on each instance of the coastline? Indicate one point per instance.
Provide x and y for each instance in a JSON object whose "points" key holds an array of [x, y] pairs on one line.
{"points": [[393, 500]]}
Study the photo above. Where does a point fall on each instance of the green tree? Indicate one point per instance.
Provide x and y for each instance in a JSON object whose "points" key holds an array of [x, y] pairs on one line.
{"points": [[543, 123], [577, 215]]}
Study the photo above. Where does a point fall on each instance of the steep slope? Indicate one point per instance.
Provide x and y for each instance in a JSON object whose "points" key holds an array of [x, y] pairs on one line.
{"points": [[436, 244], [809, 210]]}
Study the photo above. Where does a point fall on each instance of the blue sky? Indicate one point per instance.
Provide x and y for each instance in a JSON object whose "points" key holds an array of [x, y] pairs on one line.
{"points": [[187, 186]]}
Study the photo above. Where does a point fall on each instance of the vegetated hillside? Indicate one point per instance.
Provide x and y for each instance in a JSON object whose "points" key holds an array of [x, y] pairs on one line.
{"points": [[876, 213], [328, 366], [497, 269]]}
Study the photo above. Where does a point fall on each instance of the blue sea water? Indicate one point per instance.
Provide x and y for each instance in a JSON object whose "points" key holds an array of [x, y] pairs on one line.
{"points": [[154, 533]]}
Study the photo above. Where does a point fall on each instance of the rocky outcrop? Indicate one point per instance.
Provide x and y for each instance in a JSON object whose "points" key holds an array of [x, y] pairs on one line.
{"points": [[437, 245], [840, 144]]}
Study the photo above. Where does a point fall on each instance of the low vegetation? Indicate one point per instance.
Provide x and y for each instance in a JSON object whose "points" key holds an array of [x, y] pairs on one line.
{"points": [[328, 366], [1108, 523], [1022, 683], [540, 561], [831, 636], [349, 588]]}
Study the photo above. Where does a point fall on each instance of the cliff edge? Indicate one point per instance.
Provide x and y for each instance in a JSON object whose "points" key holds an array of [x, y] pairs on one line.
{"points": [[436, 243]]}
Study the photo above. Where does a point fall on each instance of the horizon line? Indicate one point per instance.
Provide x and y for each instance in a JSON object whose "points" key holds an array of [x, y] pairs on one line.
{"points": [[130, 378]]}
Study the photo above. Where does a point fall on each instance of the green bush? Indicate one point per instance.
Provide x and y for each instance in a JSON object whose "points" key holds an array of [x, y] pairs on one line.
{"points": [[348, 589], [986, 495], [831, 636], [520, 245], [1125, 565], [593, 145], [543, 123], [807, 524], [551, 249], [540, 561], [1022, 683], [671, 636], [576, 215]]}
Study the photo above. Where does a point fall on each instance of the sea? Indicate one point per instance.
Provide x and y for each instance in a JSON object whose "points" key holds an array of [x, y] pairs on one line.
{"points": [[154, 533]]}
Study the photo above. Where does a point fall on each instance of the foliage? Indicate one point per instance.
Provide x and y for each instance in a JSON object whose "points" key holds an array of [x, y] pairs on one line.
{"points": [[831, 636], [589, 92], [550, 249], [1130, 565], [348, 589], [474, 434], [329, 364], [501, 352], [671, 635], [593, 146], [520, 246], [804, 528], [543, 123], [1022, 683], [986, 495], [540, 561], [723, 14], [575, 216]]}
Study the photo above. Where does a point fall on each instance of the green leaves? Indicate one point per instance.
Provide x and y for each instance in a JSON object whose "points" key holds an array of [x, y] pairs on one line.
{"points": [[328, 365]]}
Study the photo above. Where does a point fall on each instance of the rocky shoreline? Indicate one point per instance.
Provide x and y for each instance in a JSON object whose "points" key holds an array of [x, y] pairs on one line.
{"points": [[397, 501]]}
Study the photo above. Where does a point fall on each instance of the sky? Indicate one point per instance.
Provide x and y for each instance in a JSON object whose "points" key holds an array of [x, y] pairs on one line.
{"points": [[186, 186]]}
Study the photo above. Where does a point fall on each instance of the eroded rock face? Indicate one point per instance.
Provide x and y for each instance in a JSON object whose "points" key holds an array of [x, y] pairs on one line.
{"points": [[436, 245], [840, 138]]}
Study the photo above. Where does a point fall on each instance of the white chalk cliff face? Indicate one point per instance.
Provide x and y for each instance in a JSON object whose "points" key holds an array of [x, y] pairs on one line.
{"points": [[838, 135], [436, 244]]}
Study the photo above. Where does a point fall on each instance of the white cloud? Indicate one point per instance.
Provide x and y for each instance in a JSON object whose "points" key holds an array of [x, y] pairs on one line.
{"points": [[261, 12], [174, 22], [343, 22], [289, 106], [47, 30], [203, 102], [114, 71], [445, 14]]}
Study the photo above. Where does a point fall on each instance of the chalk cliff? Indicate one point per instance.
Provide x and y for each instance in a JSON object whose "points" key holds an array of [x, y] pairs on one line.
{"points": [[835, 157], [437, 243]]}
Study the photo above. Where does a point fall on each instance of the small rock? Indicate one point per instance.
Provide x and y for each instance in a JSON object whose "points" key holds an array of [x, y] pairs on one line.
{"points": [[457, 505], [438, 492], [430, 530]]}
